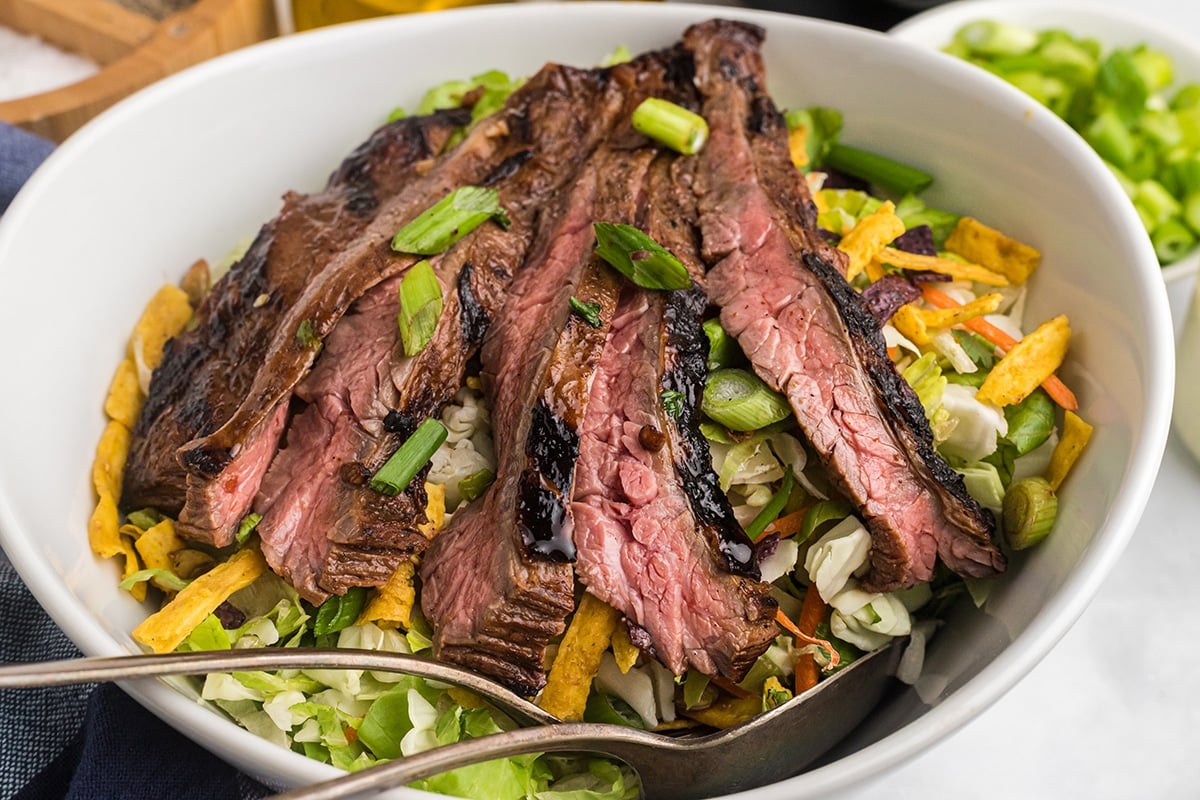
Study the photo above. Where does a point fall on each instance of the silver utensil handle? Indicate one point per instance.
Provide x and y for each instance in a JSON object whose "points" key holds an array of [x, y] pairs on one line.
{"points": [[113, 668]]}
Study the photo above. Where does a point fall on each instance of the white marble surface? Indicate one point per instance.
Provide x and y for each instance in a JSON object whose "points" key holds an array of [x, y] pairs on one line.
{"points": [[1112, 711]]}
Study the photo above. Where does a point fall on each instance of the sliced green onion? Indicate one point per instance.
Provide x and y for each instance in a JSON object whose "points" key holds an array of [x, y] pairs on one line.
{"points": [[1172, 240], [340, 611], [420, 307], [638, 257], [475, 484], [144, 518], [672, 125], [774, 507], [723, 350], [740, 401], [877, 169], [1111, 139], [994, 38], [405, 463], [588, 312], [672, 402], [1030, 507], [246, 527], [307, 336], [448, 220]]}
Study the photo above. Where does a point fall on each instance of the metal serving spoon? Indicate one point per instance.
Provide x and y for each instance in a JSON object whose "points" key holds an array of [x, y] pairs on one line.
{"points": [[768, 748]]}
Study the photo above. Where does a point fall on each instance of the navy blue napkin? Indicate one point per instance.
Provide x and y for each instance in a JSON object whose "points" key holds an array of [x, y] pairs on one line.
{"points": [[84, 742]]}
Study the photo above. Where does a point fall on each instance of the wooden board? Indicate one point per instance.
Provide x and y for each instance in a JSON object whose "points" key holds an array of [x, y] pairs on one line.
{"points": [[133, 49]]}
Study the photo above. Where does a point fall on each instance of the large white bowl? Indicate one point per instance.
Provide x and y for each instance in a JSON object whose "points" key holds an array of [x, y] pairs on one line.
{"points": [[1107, 22], [197, 162]]}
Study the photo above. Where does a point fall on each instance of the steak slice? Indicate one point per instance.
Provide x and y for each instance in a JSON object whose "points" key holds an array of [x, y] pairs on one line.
{"points": [[384, 394], [656, 538], [811, 336], [497, 583], [207, 372]]}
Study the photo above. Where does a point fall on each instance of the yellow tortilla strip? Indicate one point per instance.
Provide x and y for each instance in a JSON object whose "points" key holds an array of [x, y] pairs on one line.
{"points": [[156, 546], [798, 145], [986, 246], [108, 467], [945, 317], [392, 605], [435, 510], [624, 650], [164, 630], [1075, 435], [578, 659], [138, 590], [165, 315], [1029, 362], [728, 711], [869, 237], [911, 324], [124, 401], [959, 270]]}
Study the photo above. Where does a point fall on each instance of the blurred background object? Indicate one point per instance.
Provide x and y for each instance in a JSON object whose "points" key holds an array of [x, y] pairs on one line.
{"points": [[132, 43]]}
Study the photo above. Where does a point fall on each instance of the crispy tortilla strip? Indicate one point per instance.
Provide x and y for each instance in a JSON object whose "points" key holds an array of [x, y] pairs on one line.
{"points": [[392, 605], [435, 510], [164, 630], [124, 401], [990, 248], [578, 659], [156, 546], [728, 711], [107, 470], [465, 697], [164, 316], [625, 652], [1075, 435], [959, 270], [911, 324], [138, 590], [1029, 362], [196, 281], [869, 237], [945, 317]]}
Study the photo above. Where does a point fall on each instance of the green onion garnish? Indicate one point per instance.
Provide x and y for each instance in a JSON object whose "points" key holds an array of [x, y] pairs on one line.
{"points": [[589, 312], [307, 336], [672, 402], [876, 169], [672, 125], [740, 401], [448, 220], [638, 257], [475, 484], [420, 307], [246, 527], [1030, 508], [406, 462], [774, 507], [723, 350]]}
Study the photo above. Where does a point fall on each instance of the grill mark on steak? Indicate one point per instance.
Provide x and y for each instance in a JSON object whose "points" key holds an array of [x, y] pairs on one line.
{"points": [[686, 578], [494, 600], [364, 365], [810, 335], [208, 371], [361, 263]]}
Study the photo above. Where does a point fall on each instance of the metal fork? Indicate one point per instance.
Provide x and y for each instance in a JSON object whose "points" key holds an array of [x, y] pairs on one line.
{"points": [[772, 746]]}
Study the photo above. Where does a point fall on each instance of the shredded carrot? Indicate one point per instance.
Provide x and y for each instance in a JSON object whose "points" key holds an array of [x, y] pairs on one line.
{"points": [[788, 524], [812, 612], [801, 636], [1058, 391], [729, 687]]}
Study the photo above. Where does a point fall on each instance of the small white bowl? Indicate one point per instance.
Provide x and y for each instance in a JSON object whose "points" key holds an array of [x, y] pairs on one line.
{"points": [[198, 161], [1112, 28]]}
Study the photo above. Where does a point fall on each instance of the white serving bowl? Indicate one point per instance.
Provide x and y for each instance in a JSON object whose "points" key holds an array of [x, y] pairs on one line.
{"points": [[1105, 21], [195, 163]]}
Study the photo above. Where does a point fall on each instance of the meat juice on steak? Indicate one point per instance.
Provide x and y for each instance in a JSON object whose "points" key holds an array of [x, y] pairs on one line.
{"points": [[809, 335]]}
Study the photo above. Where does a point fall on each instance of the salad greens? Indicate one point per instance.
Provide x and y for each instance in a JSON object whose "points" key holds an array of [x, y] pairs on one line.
{"points": [[1124, 102]]}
